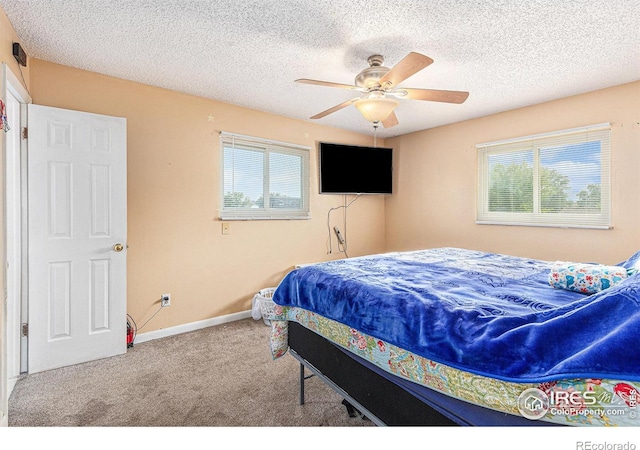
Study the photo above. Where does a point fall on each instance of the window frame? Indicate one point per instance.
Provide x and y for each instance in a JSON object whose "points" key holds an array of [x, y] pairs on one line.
{"points": [[266, 147], [536, 143]]}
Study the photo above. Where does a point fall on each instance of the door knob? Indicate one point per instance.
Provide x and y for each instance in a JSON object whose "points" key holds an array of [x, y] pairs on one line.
{"points": [[118, 247]]}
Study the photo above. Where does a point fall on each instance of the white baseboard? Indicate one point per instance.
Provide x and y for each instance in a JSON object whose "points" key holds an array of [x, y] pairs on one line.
{"points": [[179, 329], [11, 383]]}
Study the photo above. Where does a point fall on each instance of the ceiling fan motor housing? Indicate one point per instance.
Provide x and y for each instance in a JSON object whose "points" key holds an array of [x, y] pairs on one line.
{"points": [[369, 78]]}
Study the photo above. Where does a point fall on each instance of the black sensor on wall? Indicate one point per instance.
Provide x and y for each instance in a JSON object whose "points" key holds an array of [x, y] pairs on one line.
{"points": [[19, 54]]}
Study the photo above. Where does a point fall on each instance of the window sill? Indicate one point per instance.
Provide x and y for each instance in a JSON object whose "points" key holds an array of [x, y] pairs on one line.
{"points": [[233, 217], [544, 225]]}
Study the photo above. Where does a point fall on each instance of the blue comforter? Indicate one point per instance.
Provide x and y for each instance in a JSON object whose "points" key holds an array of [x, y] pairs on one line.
{"points": [[489, 314]]}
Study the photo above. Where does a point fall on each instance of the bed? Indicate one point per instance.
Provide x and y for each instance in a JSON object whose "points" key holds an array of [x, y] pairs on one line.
{"points": [[451, 336]]}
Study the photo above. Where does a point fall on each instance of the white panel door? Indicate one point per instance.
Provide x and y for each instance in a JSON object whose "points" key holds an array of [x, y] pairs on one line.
{"points": [[77, 237]]}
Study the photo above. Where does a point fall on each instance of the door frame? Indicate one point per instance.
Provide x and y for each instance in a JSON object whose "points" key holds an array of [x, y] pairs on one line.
{"points": [[15, 309]]}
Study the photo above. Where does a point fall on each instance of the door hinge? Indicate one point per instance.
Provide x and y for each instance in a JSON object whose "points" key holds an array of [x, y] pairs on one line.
{"points": [[25, 329], [25, 133]]}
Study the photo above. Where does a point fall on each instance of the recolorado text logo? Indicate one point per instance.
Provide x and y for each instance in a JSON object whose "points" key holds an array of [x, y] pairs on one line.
{"points": [[588, 445]]}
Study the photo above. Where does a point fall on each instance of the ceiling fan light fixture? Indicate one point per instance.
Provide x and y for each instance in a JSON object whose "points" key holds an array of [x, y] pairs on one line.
{"points": [[376, 109]]}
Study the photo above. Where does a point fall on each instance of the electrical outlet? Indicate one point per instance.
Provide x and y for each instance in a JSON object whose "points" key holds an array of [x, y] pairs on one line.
{"points": [[166, 300]]}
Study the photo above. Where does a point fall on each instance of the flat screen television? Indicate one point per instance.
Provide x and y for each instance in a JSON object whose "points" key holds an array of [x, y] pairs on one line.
{"points": [[351, 169]]}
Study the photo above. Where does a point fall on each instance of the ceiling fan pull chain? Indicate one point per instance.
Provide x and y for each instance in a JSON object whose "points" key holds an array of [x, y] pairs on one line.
{"points": [[375, 134]]}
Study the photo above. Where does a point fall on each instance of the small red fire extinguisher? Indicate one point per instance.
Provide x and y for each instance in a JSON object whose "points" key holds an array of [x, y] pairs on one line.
{"points": [[131, 332]]}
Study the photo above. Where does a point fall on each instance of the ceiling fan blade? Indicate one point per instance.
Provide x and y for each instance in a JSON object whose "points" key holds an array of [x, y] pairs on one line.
{"points": [[335, 108], [328, 84], [434, 95], [390, 121], [409, 65]]}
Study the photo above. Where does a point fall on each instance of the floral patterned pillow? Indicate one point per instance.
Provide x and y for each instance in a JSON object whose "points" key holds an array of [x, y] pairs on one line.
{"points": [[585, 278]]}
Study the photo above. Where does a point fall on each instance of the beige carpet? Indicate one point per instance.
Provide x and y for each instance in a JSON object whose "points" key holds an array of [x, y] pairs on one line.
{"points": [[221, 376], [208, 388]]}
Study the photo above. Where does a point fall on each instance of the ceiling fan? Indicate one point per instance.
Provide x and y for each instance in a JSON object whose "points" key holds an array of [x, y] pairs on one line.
{"points": [[380, 84]]}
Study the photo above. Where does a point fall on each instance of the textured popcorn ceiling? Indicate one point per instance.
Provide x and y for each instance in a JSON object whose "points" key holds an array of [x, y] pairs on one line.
{"points": [[506, 53]]}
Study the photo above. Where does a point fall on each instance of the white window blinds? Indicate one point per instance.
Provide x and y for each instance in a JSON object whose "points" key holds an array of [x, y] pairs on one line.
{"points": [[556, 179], [263, 179]]}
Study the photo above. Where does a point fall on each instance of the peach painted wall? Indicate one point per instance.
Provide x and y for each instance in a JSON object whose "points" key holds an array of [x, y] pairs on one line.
{"points": [[435, 171], [175, 237]]}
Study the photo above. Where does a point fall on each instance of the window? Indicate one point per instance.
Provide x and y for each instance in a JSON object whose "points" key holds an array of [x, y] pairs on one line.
{"points": [[263, 179], [556, 179]]}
